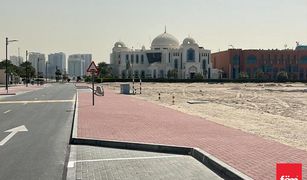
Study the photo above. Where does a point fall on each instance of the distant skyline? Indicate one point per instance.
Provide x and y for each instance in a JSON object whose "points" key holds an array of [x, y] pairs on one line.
{"points": [[93, 26]]}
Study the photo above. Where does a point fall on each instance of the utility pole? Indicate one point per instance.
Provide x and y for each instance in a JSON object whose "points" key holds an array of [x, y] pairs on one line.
{"points": [[6, 64], [27, 68], [6, 75]]}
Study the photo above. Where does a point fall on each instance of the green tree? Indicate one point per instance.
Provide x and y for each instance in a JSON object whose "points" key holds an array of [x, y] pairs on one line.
{"points": [[26, 69], [282, 76], [11, 68], [105, 71], [243, 75], [58, 74], [172, 74], [199, 76], [260, 74]]}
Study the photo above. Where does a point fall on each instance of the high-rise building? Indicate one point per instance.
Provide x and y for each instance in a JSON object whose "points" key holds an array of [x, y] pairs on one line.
{"points": [[87, 61], [76, 66], [38, 61], [87, 58], [16, 60], [56, 61]]}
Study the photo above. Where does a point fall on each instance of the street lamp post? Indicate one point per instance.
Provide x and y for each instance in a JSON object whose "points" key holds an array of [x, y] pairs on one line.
{"points": [[7, 41], [26, 68]]}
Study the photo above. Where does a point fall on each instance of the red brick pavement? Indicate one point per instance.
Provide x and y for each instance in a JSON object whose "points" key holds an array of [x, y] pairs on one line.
{"points": [[125, 118], [20, 88]]}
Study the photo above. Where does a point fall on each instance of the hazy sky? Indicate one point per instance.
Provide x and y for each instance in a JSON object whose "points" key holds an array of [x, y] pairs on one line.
{"points": [[93, 26]]}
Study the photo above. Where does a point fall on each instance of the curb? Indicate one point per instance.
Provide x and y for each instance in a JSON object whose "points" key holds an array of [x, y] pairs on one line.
{"points": [[133, 146], [222, 169], [7, 94], [219, 167], [71, 171]]}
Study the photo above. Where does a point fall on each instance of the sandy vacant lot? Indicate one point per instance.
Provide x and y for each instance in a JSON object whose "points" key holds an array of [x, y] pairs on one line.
{"points": [[273, 111]]}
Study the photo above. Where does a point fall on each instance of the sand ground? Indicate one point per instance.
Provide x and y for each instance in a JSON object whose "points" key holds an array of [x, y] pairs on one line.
{"points": [[270, 110]]}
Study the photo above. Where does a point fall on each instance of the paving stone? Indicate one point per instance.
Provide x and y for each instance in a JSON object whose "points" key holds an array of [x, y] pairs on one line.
{"points": [[163, 166], [125, 118]]}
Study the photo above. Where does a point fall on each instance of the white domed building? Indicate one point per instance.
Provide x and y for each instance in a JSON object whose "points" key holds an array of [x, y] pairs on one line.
{"points": [[166, 58]]}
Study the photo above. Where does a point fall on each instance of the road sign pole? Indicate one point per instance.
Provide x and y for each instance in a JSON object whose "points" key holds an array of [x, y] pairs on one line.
{"points": [[93, 88], [93, 69]]}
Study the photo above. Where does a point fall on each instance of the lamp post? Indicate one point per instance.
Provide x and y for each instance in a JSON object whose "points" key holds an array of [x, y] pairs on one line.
{"points": [[26, 68], [7, 41]]}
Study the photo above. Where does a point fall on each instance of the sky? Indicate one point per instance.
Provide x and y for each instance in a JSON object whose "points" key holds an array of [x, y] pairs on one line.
{"points": [[93, 26]]}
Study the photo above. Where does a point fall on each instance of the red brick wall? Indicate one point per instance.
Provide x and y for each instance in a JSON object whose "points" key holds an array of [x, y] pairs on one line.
{"points": [[221, 60], [276, 59]]}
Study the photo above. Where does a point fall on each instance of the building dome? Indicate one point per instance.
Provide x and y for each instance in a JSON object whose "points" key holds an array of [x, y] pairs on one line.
{"points": [[165, 41], [188, 40], [120, 44]]}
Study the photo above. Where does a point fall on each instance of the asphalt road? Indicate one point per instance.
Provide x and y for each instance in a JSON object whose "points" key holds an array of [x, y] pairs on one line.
{"points": [[40, 152]]}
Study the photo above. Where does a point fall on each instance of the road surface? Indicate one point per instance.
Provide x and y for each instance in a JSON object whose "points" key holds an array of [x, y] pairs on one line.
{"points": [[38, 147]]}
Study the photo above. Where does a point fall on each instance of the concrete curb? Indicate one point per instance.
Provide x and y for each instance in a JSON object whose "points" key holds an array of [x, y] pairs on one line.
{"points": [[74, 130], [71, 171], [7, 94], [219, 167], [133, 146]]}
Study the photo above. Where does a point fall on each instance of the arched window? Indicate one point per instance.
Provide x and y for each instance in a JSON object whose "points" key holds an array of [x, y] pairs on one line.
{"points": [[191, 55], [204, 64], [136, 74], [143, 74], [161, 74], [176, 64], [235, 60], [142, 59], [251, 59], [123, 74], [303, 60], [137, 59], [132, 58]]}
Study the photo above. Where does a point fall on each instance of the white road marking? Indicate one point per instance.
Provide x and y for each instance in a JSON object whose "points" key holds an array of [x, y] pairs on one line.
{"points": [[72, 163], [7, 111], [13, 131], [42, 101]]}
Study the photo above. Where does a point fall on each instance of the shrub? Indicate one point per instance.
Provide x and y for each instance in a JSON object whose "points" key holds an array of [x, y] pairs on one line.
{"points": [[282, 76]]}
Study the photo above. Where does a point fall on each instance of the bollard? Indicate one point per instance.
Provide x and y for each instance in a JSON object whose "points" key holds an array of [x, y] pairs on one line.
{"points": [[173, 99], [133, 87], [159, 96], [140, 86]]}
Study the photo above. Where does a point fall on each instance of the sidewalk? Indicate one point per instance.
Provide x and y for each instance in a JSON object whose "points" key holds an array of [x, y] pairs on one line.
{"points": [[20, 88], [125, 118]]}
